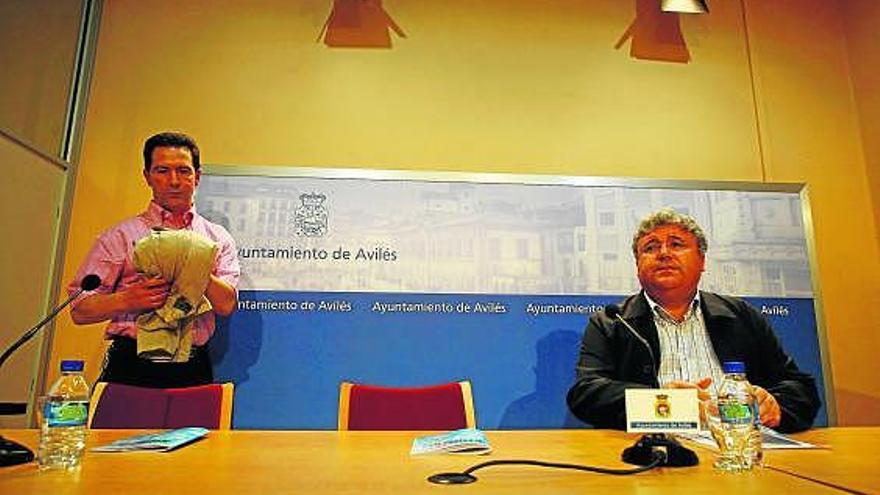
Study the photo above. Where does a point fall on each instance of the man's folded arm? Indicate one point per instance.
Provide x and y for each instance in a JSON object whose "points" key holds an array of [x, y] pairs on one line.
{"points": [[222, 295], [794, 390], [600, 401], [96, 308], [144, 295], [798, 398]]}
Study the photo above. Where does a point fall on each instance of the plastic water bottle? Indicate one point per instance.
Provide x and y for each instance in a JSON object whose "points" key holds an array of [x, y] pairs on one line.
{"points": [[737, 435], [65, 413], [754, 452]]}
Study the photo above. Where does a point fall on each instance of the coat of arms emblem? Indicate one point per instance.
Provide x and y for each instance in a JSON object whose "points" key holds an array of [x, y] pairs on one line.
{"points": [[311, 215], [662, 407]]}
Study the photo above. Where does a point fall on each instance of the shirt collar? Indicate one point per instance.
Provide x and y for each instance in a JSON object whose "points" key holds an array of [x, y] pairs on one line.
{"points": [[157, 216], [656, 308]]}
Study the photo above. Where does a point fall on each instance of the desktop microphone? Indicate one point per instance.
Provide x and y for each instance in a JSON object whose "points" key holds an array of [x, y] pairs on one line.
{"points": [[89, 282], [647, 448], [12, 453], [613, 311], [652, 445]]}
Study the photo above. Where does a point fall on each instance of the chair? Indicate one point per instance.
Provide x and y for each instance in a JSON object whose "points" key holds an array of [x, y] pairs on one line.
{"points": [[449, 406], [117, 406]]}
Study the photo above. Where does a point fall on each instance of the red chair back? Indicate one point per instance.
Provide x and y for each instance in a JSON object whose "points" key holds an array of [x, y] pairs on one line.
{"points": [[128, 407], [117, 406], [440, 407]]}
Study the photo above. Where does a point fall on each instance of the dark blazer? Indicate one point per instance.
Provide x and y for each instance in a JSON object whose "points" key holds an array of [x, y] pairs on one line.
{"points": [[612, 360]]}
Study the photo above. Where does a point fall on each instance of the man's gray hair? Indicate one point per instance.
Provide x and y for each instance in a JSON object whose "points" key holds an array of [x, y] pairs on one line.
{"points": [[668, 216]]}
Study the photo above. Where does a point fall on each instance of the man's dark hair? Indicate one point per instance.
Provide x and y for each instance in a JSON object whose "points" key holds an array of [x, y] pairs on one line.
{"points": [[170, 140]]}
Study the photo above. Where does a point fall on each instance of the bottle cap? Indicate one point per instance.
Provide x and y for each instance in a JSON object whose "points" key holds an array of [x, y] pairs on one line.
{"points": [[734, 367], [72, 365]]}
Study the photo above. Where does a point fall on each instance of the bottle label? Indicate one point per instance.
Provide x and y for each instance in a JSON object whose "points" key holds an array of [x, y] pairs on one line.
{"points": [[735, 413], [66, 413]]}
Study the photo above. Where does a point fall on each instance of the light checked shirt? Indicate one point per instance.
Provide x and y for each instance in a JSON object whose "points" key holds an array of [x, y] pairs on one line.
{"points": [[686, 353], [110, 259]]}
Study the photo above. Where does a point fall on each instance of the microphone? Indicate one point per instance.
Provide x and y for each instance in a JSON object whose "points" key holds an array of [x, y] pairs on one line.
{"points": [[653, 445], [89, 282], [658, 445], [12, 453], [613, 311]]}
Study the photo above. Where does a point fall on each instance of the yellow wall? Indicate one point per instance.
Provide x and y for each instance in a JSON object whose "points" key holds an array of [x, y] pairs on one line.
{"points": [[39, 40], [861, 20], [497, 86], [812, 135], [30, 191]]}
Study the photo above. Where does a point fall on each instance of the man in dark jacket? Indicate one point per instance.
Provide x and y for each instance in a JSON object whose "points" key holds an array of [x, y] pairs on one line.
{"points": [[681, 337]]}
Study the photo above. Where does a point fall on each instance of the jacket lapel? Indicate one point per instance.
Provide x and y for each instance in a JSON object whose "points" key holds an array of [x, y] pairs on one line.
{"points": [[719, 319], [637, 311]]}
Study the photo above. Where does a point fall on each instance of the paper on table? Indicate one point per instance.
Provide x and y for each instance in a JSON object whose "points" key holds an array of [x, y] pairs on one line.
{"points": [[465, 441], [771, 440], [159, 442]]}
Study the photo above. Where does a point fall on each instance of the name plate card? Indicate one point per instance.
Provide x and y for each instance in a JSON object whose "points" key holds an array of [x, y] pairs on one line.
{"points": [[662, 410]]}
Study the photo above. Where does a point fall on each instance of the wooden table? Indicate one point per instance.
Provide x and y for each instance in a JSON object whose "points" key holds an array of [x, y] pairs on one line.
{"points": [[850, 460], [263, 462]]}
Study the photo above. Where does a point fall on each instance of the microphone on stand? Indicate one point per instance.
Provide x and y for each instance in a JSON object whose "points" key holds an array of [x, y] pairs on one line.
{"points": [[12, 453], [89, 282], [649, 446], [653, 445]]}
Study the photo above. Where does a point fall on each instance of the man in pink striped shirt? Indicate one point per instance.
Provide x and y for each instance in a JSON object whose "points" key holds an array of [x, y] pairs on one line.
{"points": [[172, 170]]}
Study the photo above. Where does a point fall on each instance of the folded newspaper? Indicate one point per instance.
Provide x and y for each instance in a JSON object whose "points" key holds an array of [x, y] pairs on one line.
{"points": [[158, 442], [466, 441], [770, 439]]}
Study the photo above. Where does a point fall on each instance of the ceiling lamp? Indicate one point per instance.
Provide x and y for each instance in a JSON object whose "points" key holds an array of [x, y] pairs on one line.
{"points": [[684, 6]]}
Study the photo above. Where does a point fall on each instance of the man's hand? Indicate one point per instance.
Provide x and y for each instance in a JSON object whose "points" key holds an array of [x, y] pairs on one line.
{"points": [[703, 394], [702, 387], [223, 296], [144, 295], [768, 408]]}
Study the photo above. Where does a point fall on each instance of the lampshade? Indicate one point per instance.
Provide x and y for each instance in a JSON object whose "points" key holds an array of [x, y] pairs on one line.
{"points": [[684, 6]]}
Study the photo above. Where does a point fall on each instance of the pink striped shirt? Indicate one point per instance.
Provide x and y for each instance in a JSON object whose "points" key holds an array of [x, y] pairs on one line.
{"points": [[110, 259]]}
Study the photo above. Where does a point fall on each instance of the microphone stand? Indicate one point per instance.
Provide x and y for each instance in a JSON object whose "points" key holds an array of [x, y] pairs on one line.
{"points": [[12, 453]]}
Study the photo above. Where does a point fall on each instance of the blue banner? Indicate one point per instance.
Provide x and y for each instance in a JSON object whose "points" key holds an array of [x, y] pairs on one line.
{"points": [[288, 351], [412, 282]]}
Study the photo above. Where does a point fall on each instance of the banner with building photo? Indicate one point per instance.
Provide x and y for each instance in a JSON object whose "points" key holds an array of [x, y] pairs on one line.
{"points": [[394, 279]]}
